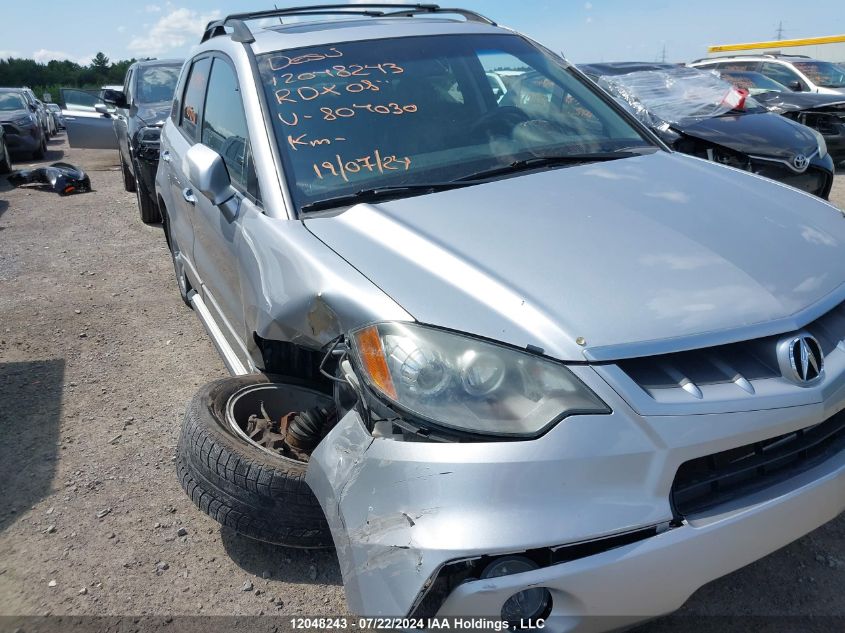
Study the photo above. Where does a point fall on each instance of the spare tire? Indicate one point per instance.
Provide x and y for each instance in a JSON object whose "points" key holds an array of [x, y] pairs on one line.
{"points": [[256, 492]]}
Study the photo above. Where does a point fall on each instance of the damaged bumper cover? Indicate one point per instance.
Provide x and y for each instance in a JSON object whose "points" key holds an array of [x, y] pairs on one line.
{"points": [[404, 513]]}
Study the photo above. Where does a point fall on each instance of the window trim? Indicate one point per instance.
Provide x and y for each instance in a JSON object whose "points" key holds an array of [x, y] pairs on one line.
{"points": [[179, 112]]}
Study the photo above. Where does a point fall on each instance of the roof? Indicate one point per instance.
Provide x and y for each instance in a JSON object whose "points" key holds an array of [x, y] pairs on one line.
{"points": [[327, 32], [158, 62]]}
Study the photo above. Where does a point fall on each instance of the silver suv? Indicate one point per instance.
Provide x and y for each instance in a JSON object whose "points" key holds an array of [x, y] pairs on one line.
{"points": [[543, 367], [798, 72]]}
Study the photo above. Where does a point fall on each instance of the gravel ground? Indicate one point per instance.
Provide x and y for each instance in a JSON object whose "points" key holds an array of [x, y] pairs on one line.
{"points": [[98, 359]]}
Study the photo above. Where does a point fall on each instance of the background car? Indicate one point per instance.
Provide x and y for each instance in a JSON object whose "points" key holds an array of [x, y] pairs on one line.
{"points": [[141, 106], [692, 111], [19, 117], [824, 113], [56, 111], [40, 110], [797, 72]]}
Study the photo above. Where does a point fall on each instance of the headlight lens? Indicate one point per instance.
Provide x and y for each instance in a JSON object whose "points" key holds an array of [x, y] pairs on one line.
{"points": [[24, 121], [149, 135], [466, 384], [822, 143]]}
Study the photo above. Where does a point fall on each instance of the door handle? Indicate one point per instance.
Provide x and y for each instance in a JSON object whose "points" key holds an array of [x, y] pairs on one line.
{"points": [[188, 195], [165, 156]]}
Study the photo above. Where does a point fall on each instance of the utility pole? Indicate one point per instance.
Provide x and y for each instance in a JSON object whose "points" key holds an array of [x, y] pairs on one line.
{"points": [[780, 30], [663, 56]]}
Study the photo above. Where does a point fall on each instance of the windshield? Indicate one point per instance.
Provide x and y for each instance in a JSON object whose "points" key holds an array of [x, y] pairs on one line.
{"points": [[410, 111], [156, 83], [12, 101], [754, 83], [823, 74]]}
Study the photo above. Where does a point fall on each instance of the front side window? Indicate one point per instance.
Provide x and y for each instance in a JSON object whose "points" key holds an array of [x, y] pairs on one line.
{"points": [[191, 106], [434, 109], [224, 123]]}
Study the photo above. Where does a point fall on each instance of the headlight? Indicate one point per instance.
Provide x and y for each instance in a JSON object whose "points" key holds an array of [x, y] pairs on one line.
{"points": [[466, 384], [24, 121], [822, 143], [149, 135]]}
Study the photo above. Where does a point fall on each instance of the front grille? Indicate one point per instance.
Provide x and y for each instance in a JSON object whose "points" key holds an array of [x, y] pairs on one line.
{"points": [[813, 180], [738, 365], [709, 481]]}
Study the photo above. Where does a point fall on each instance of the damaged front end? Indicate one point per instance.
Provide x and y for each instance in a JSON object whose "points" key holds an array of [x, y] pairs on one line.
{"points": [[447, 467]]}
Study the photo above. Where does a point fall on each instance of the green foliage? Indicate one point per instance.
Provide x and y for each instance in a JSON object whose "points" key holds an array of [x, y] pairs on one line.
{"points": [[49, 77]]}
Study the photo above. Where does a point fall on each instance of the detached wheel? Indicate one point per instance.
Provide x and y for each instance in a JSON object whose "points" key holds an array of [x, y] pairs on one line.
{"points": [[128, 178], [146, 203], [253, 490]]}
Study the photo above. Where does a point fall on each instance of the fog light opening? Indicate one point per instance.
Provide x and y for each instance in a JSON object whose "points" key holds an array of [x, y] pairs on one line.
{"points": [[526, 606]]}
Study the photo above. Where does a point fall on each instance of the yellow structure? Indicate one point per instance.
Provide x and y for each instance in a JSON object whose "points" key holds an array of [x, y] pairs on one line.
{"points": [[829, 48]]}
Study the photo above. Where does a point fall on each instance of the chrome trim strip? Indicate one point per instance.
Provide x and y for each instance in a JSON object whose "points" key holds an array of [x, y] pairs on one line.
{"points": [[785, 161], [230, 358]]}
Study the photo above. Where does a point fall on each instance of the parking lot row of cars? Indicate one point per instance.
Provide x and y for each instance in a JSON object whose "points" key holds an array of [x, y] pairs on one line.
{"points": [[26, 124]]}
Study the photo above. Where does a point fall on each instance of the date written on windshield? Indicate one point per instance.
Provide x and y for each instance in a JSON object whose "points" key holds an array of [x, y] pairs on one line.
{"points": [[343, 168]]}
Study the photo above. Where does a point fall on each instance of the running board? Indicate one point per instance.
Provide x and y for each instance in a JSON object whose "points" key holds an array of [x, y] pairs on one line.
{"points": [[230, 358]]}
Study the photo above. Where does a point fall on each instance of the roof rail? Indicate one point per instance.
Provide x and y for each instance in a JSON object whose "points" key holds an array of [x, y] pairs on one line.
{"points": [[241, 32]]}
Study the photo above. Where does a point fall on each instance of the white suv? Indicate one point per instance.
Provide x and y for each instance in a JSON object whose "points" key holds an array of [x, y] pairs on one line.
{"points": [[798, 72]]}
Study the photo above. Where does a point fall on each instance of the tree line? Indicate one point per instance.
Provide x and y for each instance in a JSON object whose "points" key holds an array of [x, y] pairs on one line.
{"points": [[55, 74]]}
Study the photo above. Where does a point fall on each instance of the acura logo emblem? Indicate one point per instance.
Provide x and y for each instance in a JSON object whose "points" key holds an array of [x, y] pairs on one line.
{"points": [[800, 162], [801, 359]]}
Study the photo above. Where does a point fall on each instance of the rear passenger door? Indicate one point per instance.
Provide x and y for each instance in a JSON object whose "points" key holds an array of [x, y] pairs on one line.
{"points": [[216, 236]]}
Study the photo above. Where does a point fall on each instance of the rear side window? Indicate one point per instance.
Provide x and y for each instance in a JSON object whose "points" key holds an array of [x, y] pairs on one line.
{"points": [[224, 124], [738, 66], [191, 112]]}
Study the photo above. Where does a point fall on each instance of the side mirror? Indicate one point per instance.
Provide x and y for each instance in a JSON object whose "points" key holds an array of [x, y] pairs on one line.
{"points": [[114, 98], [207, 172], [103, 109], [796, 86], [33, 107]]}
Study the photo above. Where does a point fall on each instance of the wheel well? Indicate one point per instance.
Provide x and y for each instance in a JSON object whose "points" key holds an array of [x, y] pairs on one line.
{"points": [[288, 359]]}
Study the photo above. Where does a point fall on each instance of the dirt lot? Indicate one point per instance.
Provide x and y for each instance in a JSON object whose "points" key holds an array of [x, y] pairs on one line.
{"points": [[98, 359]]}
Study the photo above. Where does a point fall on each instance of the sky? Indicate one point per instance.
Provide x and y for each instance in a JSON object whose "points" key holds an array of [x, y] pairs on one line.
{"points": [[584, 30]]}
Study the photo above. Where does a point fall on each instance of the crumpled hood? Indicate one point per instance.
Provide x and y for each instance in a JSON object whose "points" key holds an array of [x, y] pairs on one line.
{"points": [[659, 248], [764, 134], [796, 101], [154, 113]]}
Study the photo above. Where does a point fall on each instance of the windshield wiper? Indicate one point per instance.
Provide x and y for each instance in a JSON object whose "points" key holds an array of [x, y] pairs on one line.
{"points": [[376, 194], [537, 162]]}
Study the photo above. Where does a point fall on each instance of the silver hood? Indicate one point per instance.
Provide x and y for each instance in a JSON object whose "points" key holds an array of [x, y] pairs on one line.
{"points": [[636, 256]]}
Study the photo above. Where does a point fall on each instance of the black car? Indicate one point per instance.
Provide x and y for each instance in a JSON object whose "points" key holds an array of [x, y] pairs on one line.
{"points": [[824, 113], [697, 113], [19, 118], [141, 108]]}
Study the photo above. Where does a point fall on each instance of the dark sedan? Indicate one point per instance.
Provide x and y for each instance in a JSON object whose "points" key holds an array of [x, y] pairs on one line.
{"points": [[824, 113], [22, 128], [697, 113]]}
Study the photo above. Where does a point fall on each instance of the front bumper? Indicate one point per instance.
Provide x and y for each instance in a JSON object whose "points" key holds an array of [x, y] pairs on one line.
{"points": [[403, 512], [20, 139], [817, 179], [146, 162], [657, 575]]}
